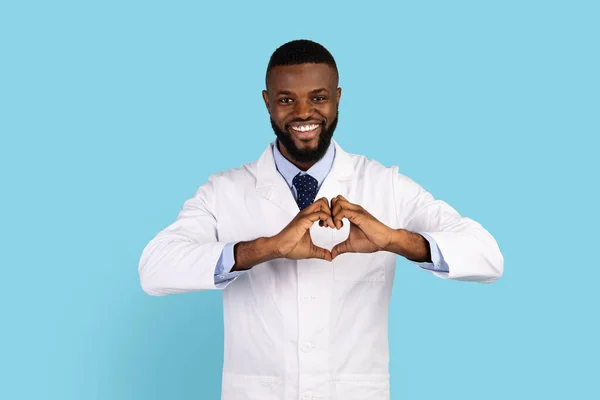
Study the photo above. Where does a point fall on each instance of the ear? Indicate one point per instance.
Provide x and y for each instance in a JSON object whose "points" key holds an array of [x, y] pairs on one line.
{"points": [[339, 95], [265, 96]]}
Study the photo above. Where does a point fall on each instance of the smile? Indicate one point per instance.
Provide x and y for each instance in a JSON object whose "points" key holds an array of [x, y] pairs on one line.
{"points": [[306, 131], [305, 128]]}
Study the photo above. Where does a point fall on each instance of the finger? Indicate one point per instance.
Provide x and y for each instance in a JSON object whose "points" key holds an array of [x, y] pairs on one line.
{"points": [[331, 204], [339, 224], [333, 201], [342, 204], [319, 252], [323, 216], [339, 197], [321, 204], [324, 224], [351, 215], [340, 248], [335, 207]]}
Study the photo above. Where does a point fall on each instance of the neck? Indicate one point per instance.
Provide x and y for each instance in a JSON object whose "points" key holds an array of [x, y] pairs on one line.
{"points": [[301, 166]]}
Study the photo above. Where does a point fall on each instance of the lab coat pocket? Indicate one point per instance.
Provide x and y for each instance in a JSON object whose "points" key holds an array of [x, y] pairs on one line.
{"points": [[359, 267], [252, 387], [362, 386]]}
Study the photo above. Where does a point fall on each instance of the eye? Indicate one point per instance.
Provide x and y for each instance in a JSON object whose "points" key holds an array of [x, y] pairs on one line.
{"points": [[319, 98], [285, 100]]}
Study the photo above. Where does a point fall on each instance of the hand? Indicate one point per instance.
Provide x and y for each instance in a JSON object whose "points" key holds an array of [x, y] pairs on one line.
{"points": [[367, 234], [294, 241]]}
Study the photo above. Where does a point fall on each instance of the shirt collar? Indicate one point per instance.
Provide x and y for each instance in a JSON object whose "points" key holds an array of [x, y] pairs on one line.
{"points": [[319, 171]]}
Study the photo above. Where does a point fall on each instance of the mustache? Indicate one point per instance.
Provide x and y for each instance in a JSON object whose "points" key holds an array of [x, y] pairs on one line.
{"points": [[284, 137]]}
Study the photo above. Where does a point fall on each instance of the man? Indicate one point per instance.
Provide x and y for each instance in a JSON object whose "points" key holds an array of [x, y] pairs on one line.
{"points": [[306, 303]]}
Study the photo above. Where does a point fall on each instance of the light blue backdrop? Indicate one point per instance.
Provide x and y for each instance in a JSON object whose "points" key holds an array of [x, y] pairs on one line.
{"points": [[113, 113]]}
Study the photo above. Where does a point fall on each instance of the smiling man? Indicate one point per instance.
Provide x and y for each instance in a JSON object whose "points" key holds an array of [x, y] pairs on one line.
{"points": [[302, 100], [303, 245]]}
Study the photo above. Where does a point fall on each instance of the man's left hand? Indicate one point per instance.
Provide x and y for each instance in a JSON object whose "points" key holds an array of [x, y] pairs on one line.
{"points": [[367, 234]]}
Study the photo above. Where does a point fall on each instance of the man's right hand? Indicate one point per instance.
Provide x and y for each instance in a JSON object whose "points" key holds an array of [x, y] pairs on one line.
{"points": [[294, 241]]}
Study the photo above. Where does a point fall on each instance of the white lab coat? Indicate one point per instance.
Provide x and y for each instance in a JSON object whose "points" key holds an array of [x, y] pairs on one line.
{"points": [[308, 329]]}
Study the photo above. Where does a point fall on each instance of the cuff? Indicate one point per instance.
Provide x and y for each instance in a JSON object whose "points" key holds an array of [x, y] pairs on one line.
{"points": [[437, 263], [226, 261]]}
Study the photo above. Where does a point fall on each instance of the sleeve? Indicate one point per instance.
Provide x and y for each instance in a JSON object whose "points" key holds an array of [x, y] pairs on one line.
{"points": [[437, 259], [226, 262], [470, 252], [182, 257]]}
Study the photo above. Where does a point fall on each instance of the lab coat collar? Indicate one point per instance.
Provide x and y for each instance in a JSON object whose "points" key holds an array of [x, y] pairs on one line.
{"points": [[319, 170], [271, 185]]}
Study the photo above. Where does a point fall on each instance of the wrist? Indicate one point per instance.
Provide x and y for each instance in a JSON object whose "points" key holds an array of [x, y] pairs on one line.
{"points": [[409, 245], [249, 254], [396, 244], [268, 246]]}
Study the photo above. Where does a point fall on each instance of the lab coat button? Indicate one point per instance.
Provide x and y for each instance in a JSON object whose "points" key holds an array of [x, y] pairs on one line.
{"points": [[306, 347], [307, 396]]}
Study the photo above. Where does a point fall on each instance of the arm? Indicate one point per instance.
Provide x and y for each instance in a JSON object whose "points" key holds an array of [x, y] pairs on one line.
{"points": [[419, 248], [182, 257], [239, 257], [470, 252], [185, 256]]}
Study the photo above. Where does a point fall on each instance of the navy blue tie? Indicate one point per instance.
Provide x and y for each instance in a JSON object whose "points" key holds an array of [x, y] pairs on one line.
{"points": [[306, 186]]}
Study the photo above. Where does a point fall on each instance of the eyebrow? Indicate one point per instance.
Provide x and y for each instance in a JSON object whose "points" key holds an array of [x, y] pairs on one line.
{"points": [[287, 92]]}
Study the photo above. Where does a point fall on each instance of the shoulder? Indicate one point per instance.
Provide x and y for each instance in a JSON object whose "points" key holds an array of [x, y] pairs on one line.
{"points": [[365, 167], [246, 173], [228, 181]]}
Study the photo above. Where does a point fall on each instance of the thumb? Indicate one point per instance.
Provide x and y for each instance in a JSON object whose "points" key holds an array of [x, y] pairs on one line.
{"points": [[340, 248], [319, 252]]}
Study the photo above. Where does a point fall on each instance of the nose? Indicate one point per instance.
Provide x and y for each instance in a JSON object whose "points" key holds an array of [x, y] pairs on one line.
{"points": [[304, 109]]}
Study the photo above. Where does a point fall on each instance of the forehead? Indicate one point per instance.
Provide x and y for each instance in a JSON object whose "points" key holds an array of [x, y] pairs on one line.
{"points": [[301, 77]]}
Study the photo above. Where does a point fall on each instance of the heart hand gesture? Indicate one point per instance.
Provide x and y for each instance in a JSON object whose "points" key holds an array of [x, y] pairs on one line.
{"points": [[367, 234], [294, 241]]}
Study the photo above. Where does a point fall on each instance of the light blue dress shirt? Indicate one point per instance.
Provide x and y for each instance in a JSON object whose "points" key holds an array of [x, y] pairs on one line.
{"points": [[319, 171]]}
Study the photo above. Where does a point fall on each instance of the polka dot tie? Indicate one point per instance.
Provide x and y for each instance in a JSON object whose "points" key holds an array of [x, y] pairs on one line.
{"points": [[306, 186]]}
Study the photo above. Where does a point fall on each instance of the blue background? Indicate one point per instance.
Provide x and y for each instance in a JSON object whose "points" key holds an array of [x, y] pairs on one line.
{"points": [[113, 113]]}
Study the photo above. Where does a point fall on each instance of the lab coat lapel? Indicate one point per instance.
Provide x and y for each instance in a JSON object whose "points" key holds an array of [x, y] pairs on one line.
{"points": [[338, 179], [271, 185]]}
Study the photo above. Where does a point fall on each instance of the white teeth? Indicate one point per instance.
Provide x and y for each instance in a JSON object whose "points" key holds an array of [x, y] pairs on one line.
{"points": [[305, 128]]}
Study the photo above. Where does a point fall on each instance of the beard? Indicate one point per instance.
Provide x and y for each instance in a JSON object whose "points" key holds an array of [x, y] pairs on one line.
{"points": [[308, 155]]}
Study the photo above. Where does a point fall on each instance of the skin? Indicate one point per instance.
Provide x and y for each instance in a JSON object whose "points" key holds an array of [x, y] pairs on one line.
{"points": [[299, 93], [309, 92]]}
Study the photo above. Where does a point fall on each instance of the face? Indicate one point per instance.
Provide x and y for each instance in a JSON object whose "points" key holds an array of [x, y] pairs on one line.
{"points": [[302, 101]]}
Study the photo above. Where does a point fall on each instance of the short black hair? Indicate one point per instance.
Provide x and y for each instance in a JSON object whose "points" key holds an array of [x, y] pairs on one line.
{"points": [[301, 52]]}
